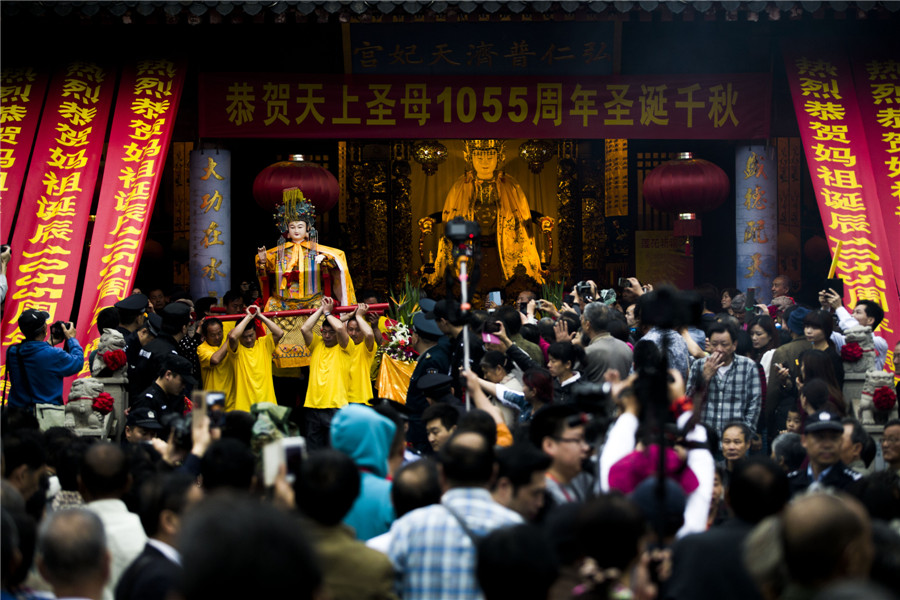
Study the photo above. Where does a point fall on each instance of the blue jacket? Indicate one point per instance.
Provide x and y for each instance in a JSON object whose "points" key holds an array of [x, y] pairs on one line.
{"points": [[366, 437], [45, 367]]}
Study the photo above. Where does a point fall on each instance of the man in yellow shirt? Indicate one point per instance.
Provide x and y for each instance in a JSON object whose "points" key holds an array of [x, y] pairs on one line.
{"points": [[216, 362], [329, 373], [253, 360], [362, 353]]}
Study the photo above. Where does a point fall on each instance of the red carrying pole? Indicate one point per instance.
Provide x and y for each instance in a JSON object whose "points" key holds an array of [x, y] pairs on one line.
{"points": [[376, 308]]}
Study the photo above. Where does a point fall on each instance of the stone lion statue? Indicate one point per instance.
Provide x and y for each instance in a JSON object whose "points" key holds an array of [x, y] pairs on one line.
{"points": [[874, 380], [111, 339], [862, 335], [80, 413]]}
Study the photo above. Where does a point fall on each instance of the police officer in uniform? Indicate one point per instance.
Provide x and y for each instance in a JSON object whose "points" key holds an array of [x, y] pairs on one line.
{"points": [[433, 359], [437, 387], [448, 317], [165, 396], [822, 440], [132, 316], [175, 319]]}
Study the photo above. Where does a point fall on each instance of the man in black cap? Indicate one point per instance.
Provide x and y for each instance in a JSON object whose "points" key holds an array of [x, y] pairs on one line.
{"points": [[141, 425], [36, 368], [433, 358], [132, 314], [166, 395], [135, 354], [822, 439], [437, 387], [449, 319], [175, 319]]}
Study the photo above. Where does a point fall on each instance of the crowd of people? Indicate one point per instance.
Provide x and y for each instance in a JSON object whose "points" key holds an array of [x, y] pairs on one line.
{"points": [[651, 444]]}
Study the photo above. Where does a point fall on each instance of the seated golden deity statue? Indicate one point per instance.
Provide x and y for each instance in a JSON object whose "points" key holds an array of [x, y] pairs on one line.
{"points": [[297, 272], [493, 199]]}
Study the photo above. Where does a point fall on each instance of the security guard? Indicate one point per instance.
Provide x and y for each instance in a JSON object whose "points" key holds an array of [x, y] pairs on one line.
{"points": [[132, 316], [165, 396], [822, 440], [433, 359], [175, 319], [437, 387], [138, 357]]}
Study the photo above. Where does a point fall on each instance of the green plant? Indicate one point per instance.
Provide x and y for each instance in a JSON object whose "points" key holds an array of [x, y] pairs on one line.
{"points": [[402, 308], [553, 292]]}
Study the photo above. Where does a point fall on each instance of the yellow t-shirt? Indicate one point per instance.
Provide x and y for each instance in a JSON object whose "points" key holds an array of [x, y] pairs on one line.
{"points": [[361, 371], [329, 375], [253, 374], [220, 377]]}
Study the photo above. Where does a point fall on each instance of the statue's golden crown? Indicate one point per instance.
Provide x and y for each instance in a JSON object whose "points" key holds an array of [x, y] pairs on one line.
{"points": [[294, 207], [484, 146]]}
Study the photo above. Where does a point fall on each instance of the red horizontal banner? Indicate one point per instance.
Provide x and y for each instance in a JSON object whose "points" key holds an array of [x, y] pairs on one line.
{"points": [[276, 105], [138, 141]]}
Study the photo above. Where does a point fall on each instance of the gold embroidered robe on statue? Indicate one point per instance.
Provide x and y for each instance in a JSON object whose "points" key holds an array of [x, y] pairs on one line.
{"points": [[515, 243]]}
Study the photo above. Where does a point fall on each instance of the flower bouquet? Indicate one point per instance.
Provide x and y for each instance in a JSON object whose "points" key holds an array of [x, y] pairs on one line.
{"points": [[395, 360]]}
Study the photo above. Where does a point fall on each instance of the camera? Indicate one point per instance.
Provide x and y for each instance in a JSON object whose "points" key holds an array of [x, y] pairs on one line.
{"points": [[623, 282], [460, 231], [585, 290], [490, 326], [181, 427], [57, 332]]}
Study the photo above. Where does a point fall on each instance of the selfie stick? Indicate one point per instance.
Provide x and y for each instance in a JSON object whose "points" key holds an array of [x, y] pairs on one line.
{"points": [[464, 306]]}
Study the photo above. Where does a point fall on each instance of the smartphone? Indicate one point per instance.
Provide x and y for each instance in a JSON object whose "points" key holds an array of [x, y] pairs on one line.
{"points": [[836, 284], [198, 401], [623, 282], [751, 298], [495, 298], [489, 338], [290, 451]]}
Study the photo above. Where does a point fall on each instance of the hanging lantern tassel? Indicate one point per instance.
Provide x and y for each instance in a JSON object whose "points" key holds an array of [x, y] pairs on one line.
{"points": [[687, 225]]}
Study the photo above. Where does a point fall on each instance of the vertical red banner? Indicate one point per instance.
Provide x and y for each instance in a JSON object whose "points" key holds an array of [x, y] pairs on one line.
{"points": [[21, 97], [48, 241], [146, 107], [834, 138], [877, 78]]}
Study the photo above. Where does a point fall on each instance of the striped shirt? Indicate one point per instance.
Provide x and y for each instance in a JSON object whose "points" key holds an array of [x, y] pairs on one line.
{"points": [[433, 556], [736, 396]]}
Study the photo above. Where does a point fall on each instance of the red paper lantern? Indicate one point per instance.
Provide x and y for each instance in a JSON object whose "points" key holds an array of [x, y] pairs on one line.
{"points": [[686, 186], [319, 186]]}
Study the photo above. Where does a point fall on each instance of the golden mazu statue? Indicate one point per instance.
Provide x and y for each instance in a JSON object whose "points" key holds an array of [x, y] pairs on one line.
{"points": [[493, 199], [297, 272]]}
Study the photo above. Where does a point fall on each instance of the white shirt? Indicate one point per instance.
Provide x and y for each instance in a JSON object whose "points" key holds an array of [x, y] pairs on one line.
{"points": [[166, 550], [846, 321], [125, 538]]}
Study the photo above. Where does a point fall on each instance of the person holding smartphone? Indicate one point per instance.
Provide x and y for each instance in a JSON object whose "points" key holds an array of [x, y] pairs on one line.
{"points": [[867, 313]]}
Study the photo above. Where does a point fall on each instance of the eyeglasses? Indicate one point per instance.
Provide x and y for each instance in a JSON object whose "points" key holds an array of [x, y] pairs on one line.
{"points": [[891, 440]]}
